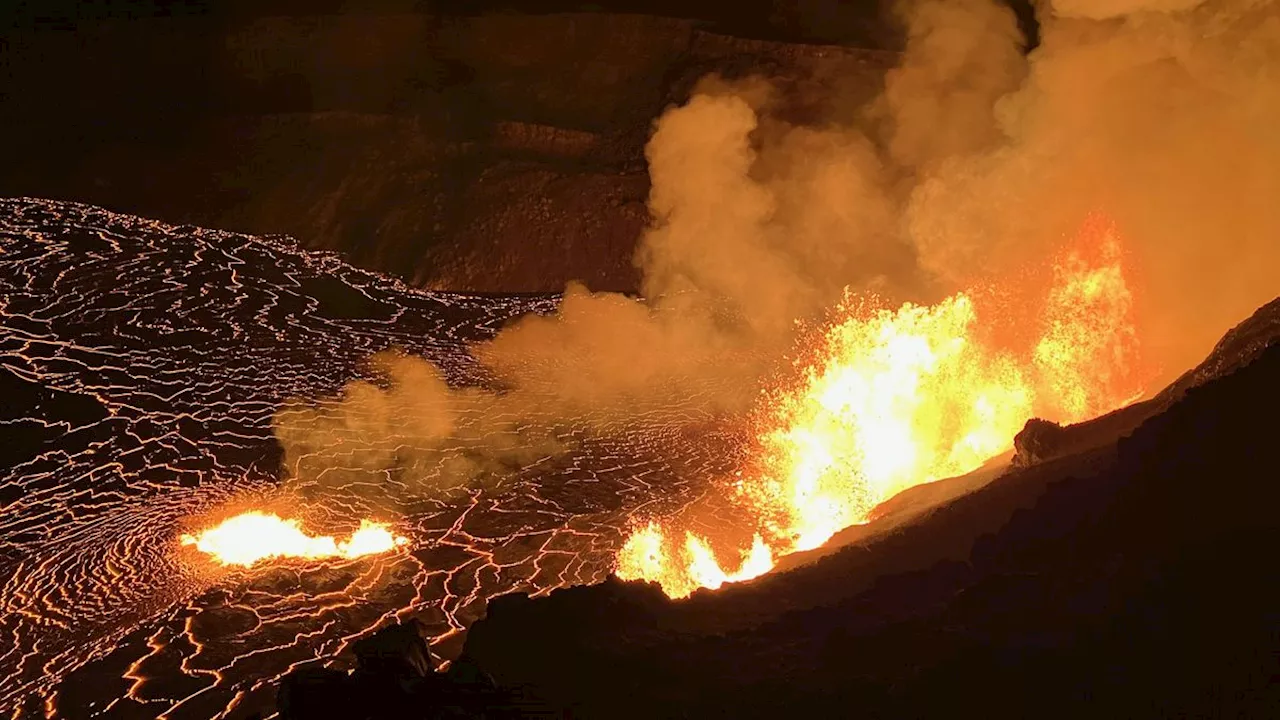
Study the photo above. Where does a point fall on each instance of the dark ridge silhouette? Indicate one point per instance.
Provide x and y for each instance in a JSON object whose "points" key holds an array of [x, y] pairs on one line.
{"points": [[394, 677]]}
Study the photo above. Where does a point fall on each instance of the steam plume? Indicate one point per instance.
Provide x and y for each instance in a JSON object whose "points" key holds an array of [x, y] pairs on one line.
{"points": [[1162, 120], [975, 161]]}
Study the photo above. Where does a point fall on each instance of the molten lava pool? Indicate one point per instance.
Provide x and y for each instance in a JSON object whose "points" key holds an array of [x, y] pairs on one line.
{"points": [[147, 363], [141, 576]]}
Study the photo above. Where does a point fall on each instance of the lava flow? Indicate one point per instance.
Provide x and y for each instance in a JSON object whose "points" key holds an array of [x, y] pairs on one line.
{"points": [[897, 398], [251, 537]]}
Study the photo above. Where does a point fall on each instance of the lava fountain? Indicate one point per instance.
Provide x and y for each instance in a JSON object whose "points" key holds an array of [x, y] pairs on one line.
{"points": [[893, 398], [251, 537]]}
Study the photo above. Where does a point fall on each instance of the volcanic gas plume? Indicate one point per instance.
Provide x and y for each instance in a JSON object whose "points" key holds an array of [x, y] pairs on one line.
{"points": [[880, 297], [838, 304], [894, 398]]}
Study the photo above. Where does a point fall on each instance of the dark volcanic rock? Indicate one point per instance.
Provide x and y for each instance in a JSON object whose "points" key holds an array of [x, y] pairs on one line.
{"points": [[1130, 586], [313, 693], [1237, 348], [398, 650], [1038, 440], [497, 152], [394, 679]]}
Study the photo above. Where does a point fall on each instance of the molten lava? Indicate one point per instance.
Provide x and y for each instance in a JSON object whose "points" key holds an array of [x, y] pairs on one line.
{"points": [[896, 398], [254, 536], [1087, 355]]}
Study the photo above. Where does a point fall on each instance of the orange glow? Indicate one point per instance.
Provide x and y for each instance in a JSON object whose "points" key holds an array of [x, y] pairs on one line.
{"points": [[897, 398], [1087, 355], [251, 537], [648, 555]]}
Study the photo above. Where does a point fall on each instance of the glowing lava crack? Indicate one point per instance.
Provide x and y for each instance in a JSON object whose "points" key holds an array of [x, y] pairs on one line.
{"points": [[143, 366], [251, 537]]}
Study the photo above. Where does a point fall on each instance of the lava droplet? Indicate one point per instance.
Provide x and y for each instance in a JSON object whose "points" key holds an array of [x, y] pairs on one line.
{"points": [[254, 536]]}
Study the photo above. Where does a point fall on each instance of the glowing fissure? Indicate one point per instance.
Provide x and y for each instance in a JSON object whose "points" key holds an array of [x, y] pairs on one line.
{"points": [[897, 398], [252, 537]]}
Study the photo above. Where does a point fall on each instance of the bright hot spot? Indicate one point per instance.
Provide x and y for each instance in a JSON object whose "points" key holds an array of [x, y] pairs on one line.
{"points": [[893, 398]]}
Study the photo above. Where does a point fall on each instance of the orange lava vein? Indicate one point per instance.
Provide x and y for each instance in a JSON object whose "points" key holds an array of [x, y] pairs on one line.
{"points": [[251, 537], [895, 398]]}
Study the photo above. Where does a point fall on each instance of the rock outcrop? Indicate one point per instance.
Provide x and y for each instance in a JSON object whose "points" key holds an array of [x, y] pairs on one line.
{"points": [[394, 679], [1038, 440]]}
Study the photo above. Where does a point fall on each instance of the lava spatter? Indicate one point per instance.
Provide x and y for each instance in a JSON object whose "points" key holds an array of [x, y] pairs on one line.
{"points": [[892, 398]]}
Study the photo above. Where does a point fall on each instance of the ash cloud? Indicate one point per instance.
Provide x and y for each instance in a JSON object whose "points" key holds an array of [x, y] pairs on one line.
{"points": [[975, 161]]}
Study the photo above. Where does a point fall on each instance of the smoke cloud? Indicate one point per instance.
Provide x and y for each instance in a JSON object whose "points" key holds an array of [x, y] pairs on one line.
{"points": [[1107, 9], [976, 160], [1164, 122]]}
